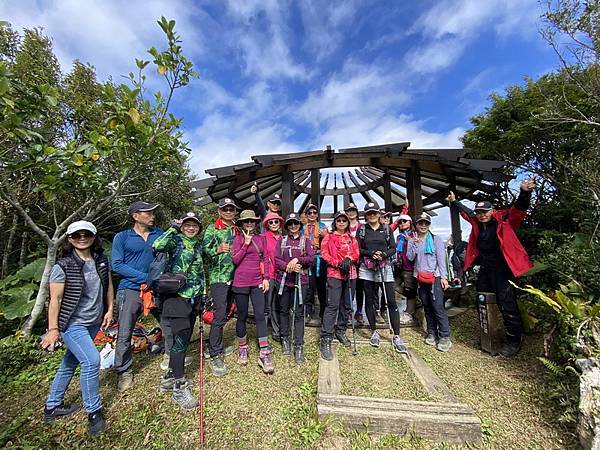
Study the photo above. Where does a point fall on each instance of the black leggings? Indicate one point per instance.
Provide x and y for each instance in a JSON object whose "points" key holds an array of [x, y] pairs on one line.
{"points": [[243, 296], [371, 300], [182, 332], [360, 295], [286, 302]]}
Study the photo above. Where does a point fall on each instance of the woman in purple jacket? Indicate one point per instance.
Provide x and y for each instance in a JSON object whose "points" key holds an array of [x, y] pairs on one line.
{"points": [[294, 254], [250, 282]]}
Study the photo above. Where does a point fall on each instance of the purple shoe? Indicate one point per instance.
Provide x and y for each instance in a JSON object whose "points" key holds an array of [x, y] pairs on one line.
{"points": [[243, 355], [399, 345], [375, 339], [265, 360]]}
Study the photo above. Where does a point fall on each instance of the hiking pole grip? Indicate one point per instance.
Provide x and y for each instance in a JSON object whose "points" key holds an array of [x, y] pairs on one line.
{"points": [[283, 277]]}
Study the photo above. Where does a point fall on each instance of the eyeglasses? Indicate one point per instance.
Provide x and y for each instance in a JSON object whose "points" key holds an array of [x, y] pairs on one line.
{"points": [[311, 213], [228, 209], [83, 235], [274, 222]]}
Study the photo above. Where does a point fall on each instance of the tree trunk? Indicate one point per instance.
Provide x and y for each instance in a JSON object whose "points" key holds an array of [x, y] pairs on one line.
{"points": [[9, 246], [23, 252], [42, 294]]}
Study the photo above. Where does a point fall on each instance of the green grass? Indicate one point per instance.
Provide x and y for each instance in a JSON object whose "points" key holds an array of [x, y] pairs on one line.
{"points": [[247, 409]]}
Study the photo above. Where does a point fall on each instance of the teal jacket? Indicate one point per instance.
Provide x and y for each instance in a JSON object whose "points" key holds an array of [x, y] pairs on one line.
{"points": [[189, 261]]}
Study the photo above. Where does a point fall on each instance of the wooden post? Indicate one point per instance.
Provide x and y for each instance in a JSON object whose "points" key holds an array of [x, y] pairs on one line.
{"points": [[413, 188], [287, 191], [455, 217], [387, 190], [315, 188]]}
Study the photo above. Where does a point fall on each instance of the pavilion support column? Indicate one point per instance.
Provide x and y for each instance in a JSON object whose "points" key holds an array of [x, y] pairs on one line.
{"points": [[413, 189], [455, 217], [287, 191], [315, 188], [387, 190]]}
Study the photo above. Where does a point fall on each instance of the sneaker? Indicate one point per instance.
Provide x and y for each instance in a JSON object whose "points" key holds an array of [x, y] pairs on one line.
{"points": [[243, 355], [286, 347], [217, 366], [399, 345], [444, 344], [406, 319], [183, 396], [360, 321], [125, 380], [61, 410], [167, 382], [375, 339], [326, 352], [343, 339], [299, 354], [96, 423], [164, 362], [510, 349], [379, 319], [430, 339], [265, 360]]}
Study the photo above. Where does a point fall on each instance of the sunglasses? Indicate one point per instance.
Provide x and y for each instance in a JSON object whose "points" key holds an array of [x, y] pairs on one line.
{"points": [[423, 224], [404, 221], [341, 220], [228, 209], [293, 224], [311, 213], [83, 235], [274, 222], [248, 221]]}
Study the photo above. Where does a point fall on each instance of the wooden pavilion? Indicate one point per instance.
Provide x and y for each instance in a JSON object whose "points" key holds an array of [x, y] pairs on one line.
{"points": [[393, 172]]}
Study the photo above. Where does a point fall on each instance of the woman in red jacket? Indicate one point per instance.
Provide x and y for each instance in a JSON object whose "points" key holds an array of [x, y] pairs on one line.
{"points": [[340, 252]]}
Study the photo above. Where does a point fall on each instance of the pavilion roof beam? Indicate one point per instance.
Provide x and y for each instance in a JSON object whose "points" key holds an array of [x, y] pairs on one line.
{"points": [[364, 194]]}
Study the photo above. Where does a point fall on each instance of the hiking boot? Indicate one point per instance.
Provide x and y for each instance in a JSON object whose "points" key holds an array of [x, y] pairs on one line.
{"points": [[399, 345], [430, 339], [183, 395], [444, 344], [375, 339], [61, 410], [164, 363], [286, 347], [299, 354], [510, 349], [243, 355], [314, 320], [217, 366], [265, 360], [360, 321], [326, 352], [125, 380], [343, 339], [96, 423], [167, 382]]}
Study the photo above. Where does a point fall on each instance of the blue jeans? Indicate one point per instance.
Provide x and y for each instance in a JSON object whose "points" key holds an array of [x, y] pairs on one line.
{"points": [[79, 340]]}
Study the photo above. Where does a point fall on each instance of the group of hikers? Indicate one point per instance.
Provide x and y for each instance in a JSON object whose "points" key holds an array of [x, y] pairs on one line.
{"points": [[279, 266]]}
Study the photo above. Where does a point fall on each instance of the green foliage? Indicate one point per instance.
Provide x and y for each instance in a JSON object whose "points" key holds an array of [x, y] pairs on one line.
{"points": [[17, 290], [17, 353], [562, 387]]}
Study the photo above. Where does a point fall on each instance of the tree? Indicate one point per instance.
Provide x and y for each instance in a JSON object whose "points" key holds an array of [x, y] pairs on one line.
{"points": [[85, 151]]}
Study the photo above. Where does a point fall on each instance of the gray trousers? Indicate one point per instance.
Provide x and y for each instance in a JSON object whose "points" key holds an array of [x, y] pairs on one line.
{"points": [[130, 308]]}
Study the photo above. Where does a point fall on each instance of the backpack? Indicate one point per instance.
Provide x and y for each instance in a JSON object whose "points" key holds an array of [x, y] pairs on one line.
{"points": [[302, 244], [361, 233]]}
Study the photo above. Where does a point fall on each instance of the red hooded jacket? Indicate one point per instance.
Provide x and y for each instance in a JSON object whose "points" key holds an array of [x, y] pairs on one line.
{"points": [[514, 253], [334, 249]]}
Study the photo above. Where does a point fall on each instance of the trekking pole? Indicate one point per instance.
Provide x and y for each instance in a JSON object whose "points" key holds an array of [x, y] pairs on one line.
{"points": [[201, 382], [292, 321], [387, 305], [354, 352], [283, 277]]}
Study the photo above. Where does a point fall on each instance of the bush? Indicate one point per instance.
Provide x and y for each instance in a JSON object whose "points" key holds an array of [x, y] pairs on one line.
{"points": [[18, 353]]}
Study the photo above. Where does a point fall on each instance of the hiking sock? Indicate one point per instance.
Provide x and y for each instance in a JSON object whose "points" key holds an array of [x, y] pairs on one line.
{"points": [[242, 341], [263, 343]]}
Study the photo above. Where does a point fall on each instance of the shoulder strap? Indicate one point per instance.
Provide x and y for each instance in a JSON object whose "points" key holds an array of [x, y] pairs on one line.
{"points": [[283, 243], [302, 245], [361, 232], [256, 248]]}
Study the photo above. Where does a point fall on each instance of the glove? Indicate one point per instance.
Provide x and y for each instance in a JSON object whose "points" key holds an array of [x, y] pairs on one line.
{"points": [[175, 224], [345, 265]]}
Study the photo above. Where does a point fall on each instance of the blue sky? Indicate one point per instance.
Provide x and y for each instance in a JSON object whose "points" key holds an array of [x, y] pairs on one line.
{"points": [[279, 76]]}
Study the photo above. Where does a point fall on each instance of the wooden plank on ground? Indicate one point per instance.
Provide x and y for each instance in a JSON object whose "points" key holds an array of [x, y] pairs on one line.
{"points": [[330, 381], [430, 381]]}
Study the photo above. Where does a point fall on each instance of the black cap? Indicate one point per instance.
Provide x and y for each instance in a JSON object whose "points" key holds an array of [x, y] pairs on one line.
{"points": [[141, 206], [190, 216], [340, 214], [292, 217], [350, 206], [371, 206], [424, 217], [275, 199], [483, 206], [311, 206], [227, 202]]}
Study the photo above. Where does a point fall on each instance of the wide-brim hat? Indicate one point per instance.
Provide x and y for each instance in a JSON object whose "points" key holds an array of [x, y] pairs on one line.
{"points": [[191, 215], [483, 206], [292, 217], [141, 206], [248, 214], [271, 216], [372, 206], [81, 225]]}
